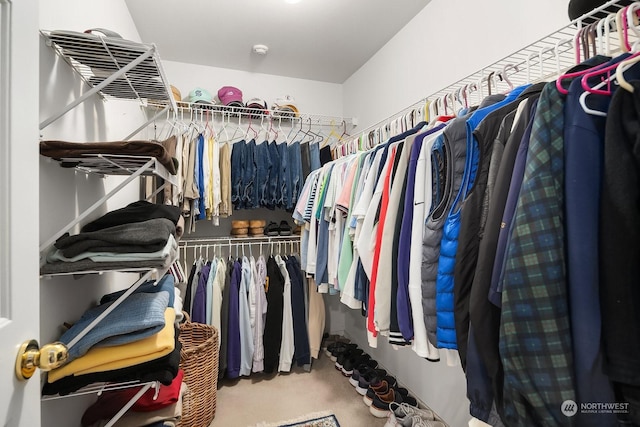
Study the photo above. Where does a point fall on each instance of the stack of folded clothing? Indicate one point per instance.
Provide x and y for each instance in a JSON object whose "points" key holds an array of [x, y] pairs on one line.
{"points": [[138, 340], [165, 409], [141, 234]]}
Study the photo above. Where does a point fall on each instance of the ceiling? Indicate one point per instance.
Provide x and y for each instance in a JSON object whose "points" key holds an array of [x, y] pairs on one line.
{"points": [[325, 40]]}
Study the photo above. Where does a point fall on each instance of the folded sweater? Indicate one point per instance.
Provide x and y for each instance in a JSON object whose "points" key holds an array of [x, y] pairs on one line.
{"points": [[121, 356], [144, 236]]}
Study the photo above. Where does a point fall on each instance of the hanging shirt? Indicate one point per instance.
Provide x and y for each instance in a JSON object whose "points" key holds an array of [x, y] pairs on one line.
{"points": [[287, 346], [420, 207], [246, 334], [273, 320], [209, 291], [301, 353], [234, 343], [217, 292], [535, 328], [259, 277]]}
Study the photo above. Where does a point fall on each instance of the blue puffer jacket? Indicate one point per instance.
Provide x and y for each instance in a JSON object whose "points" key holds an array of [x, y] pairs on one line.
{"points": [[446, 330]]}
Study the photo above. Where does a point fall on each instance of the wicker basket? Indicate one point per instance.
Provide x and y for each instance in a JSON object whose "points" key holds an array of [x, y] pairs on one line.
{"points": [[199, 361]]}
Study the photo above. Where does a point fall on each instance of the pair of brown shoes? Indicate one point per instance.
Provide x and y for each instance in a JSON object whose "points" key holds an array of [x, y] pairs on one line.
{"points": [[245, 228]]}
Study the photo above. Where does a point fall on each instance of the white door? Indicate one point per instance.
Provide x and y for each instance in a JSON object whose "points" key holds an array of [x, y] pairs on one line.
{"points": [[19, 284]]}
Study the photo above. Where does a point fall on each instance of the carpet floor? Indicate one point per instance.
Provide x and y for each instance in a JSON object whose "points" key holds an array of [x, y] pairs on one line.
{"points": [[270, 398]]}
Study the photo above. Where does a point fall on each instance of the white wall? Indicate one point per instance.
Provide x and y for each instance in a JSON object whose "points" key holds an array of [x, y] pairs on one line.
{"points": [[312, 97], [446, 41], [63, 193]]}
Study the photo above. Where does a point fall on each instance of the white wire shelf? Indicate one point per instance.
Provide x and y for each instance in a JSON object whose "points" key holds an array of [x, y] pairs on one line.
{"points": [[117, 164], [101, 387], [121, 269], [115, 68], [542, 59], [95, 58], [203, 112]]}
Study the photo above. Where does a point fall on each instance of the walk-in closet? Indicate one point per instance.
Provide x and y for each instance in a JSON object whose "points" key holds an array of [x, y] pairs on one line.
{"points": [[319, 213]]}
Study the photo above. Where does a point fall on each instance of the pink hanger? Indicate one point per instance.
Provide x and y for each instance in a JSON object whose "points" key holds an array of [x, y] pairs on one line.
{"points": [[625, 29], [594, 73]]}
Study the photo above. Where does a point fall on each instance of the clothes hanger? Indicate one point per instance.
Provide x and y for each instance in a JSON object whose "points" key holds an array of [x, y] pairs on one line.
{"points": [[620, 25], [344, 130], [606, 70], [607, 32], [622, 67], [273, 129], [489, 80], [224, 128], [295, 137], [632, 22], [566, 76], [583, 101], [596, 89], [250, 129], [557, 54], [281, 132]]}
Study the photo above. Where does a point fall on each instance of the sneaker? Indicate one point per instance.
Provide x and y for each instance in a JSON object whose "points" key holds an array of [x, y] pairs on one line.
{"points": [[401, 414], [379, 407], [417, 421], [339, 349], [383, 386], [331, 341], [346, 355], [358, 371], [370, 376], [352, 366], [285, 228], [333, 348]]}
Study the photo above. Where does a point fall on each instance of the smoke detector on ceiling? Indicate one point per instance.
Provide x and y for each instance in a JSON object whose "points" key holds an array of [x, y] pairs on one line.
{"points": [[260, 49]]}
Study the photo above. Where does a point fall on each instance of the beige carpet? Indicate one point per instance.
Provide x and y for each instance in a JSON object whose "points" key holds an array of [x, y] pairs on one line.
{"points": [[262, 398]]}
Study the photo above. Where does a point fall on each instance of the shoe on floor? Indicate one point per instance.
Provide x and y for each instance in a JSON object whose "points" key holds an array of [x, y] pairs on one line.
{"points": [[352, 368], [382, 386], [346, 355], [416, 421], [380, 405], [330, 341], [370, 376], [401, 414], [340, 349]]}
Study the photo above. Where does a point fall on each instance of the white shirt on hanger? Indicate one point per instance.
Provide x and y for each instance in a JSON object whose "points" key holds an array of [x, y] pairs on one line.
{"points": [[287, 344]]}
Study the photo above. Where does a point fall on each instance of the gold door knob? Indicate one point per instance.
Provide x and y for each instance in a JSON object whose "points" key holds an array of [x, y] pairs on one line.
{"points": [[31, 356]]}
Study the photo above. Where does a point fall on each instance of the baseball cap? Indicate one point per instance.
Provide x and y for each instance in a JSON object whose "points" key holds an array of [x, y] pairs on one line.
{"points": [[257, 106], [230, 96], [286, 105], [176, 93], [202, 96]]}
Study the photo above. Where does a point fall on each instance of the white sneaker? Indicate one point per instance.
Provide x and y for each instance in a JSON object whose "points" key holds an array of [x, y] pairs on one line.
{"points": [[402, 413], [417, 421]]}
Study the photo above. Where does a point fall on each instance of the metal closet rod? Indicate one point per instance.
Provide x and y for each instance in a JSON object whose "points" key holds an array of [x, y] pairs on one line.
{"points": [[190, 243]]}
